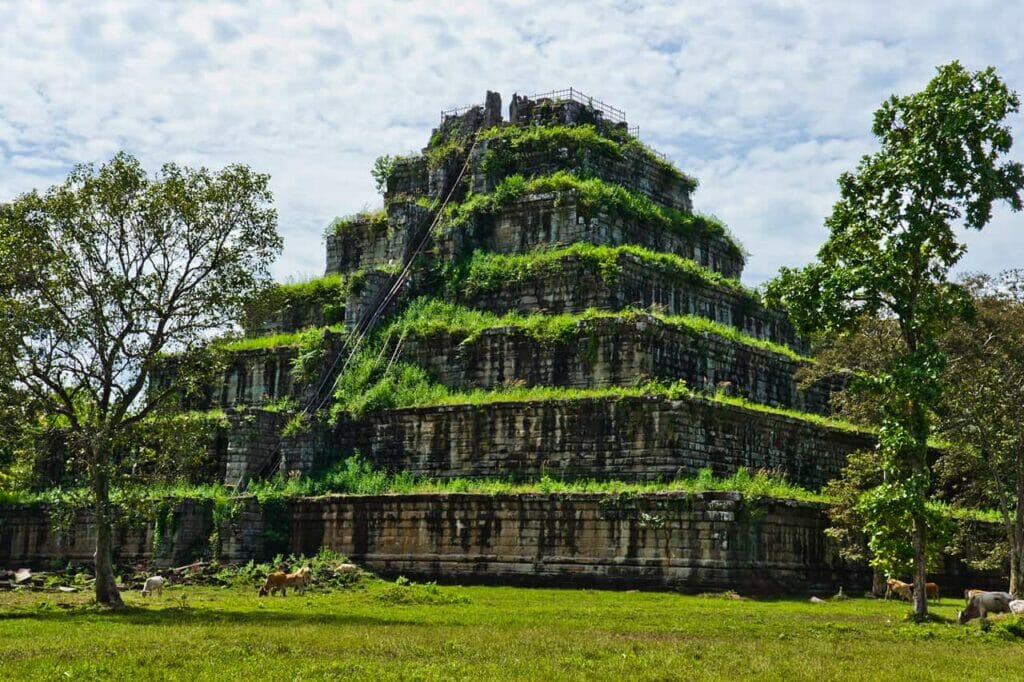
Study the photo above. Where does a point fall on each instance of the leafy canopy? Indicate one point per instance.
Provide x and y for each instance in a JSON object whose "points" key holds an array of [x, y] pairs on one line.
{"points": [[125, 268], [114, 270], [891, 245], [892, 234]]}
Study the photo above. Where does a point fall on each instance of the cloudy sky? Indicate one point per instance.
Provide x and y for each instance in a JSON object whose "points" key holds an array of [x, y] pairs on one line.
{"points": [[764, 102]]}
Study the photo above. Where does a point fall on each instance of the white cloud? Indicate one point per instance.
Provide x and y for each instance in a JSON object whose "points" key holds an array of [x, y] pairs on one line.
{"points": [[766, 104]]}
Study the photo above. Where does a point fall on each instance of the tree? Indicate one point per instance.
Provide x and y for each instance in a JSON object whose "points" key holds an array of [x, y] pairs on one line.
{"points": [[982, 406], [118, 270], [862, 353], [891, 245]]}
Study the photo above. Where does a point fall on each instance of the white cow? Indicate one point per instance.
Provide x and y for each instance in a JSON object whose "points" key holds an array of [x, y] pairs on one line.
{"points": [[154, 584], [980, 605]]}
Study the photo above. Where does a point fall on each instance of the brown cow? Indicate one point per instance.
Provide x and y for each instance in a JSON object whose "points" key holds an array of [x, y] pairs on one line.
{"points": [[899, 588], [281, 581], [906, 590]]}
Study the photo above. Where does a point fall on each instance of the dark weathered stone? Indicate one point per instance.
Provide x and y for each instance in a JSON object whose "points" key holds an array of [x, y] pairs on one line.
{"points": [[689, 542], [557, 218], [26, 537], [634, 170], [615, 352], [365, 244], [577, 286], [632, 439], [492, 109]]}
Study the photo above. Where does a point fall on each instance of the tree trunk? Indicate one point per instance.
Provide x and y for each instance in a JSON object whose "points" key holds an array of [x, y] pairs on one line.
{"points": [[1015, 573], [878, 585], [920, 429], [920, 538], [920, 593], [1017, 535], [106, 585], [1017, 552]]}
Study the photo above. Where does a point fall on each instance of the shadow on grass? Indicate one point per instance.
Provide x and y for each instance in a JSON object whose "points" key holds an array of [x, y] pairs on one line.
{"points": [[198, 616]]}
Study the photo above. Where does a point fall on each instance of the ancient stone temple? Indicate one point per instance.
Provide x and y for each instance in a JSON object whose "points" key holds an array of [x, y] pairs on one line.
{"points": [[537, 301]]}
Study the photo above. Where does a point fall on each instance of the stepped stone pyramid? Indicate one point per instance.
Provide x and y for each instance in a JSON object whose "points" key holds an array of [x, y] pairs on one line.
{"points": [[561, 212], [537, 300]]}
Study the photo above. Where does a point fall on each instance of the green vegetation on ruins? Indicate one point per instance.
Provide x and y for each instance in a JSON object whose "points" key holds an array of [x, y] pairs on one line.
{"points": [[325, 294], [429, 316], [355, 476], [299, 339], [593, 195], [511, 147], [372, 382], [485, 271], [375, 222]]}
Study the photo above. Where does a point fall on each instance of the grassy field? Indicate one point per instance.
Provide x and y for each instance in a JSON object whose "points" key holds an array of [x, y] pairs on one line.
{"points": [[386, 631]]}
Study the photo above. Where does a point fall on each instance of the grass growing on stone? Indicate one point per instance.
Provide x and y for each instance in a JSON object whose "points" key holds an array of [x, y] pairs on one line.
{"points": [[285, 339], [593, 195], [394, 630], [510, 147], [407, 386], [486, 271], [299, 339], [376, 222], [355, 476], [325, 293], [315, 289], [427, 316]]}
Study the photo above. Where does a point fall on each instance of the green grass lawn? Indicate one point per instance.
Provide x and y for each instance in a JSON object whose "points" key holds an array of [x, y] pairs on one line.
{"points": [[382, 630]]}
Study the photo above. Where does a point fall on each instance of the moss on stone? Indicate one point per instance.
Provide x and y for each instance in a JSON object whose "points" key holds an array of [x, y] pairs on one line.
{"points": [[593, 196]]}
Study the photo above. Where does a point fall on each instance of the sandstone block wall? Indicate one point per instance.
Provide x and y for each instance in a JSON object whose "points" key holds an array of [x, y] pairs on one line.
{"points": [[633, 439], [556, 218], [616, 352], [702, 542], [255, 377], [28, 539], [364, 300], [312, 313], [364, 244], [408, 177], [689, 542], [577, 286], [634, 170], [254, 445]]}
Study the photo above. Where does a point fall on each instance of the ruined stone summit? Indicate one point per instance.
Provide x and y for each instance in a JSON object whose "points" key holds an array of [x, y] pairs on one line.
{"points": [[537, 301]]}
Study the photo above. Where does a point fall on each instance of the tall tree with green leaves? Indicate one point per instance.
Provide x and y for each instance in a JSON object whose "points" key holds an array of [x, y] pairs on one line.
{"points": [[982, 406], [892, 242], [116, 270]]}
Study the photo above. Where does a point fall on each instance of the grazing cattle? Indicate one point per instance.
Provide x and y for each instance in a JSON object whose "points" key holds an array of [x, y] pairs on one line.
{"points": [[279, 580], [906, 590], [154, 584], [1017, 606], [980, 605], [971, 592], [899, 588]]}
